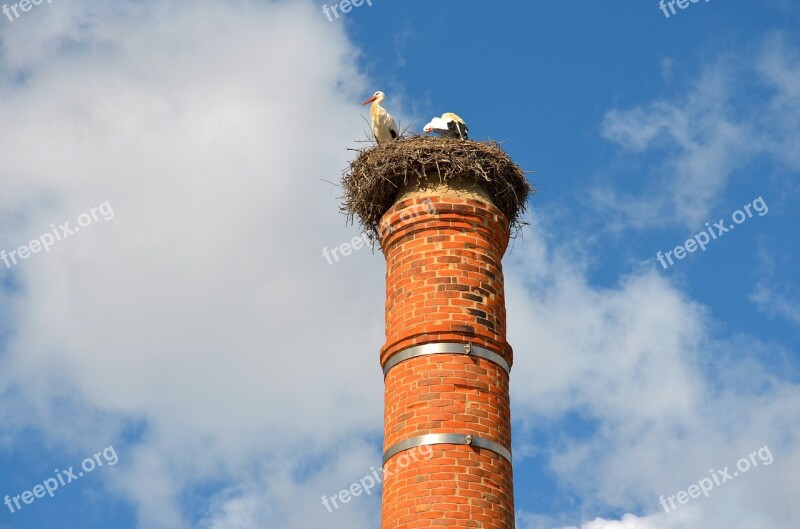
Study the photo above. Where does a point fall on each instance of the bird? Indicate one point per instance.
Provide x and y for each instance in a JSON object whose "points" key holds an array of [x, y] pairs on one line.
{"points": [[448, 126], [383, 124]]}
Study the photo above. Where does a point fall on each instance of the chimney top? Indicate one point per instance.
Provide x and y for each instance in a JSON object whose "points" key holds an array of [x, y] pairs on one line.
{"points": [[381, 174]]}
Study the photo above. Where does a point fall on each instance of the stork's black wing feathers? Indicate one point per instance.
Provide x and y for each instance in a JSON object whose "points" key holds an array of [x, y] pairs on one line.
{"points": [[457, 130]]}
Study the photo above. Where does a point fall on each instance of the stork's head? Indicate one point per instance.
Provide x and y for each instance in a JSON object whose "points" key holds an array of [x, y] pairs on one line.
{"points": [[377, 96]]}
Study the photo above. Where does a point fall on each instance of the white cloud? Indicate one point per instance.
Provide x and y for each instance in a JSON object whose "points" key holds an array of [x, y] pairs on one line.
{"points": [[704, 135], [772, 298], [775, 303], [204, 309], [278, 499], [206, 313], [678, 520], [666, 397]]}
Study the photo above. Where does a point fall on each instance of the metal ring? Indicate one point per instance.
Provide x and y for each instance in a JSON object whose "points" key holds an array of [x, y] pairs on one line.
{"points": [[446, 438], [446, 348]]}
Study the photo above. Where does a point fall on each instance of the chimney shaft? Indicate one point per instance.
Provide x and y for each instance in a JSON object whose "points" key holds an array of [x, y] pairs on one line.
{"points": [[447, 431]]}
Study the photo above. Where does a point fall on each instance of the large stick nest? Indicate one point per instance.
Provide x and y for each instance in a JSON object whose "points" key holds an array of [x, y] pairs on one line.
{"points": [[378, 173]]}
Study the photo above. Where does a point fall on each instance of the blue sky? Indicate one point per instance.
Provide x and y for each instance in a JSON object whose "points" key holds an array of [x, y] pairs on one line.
{"points": [[199, 332]]}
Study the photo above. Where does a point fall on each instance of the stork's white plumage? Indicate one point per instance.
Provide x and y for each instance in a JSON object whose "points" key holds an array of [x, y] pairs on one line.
{"points": [[383, 124], [449, 126], [437, 125]]}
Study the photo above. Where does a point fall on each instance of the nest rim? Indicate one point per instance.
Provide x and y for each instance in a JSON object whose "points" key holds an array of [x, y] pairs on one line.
{"points": [[376, 176]]}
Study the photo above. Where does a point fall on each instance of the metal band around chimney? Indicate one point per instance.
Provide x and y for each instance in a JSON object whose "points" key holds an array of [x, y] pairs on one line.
{"points": [[446, 348], [446, 438]]}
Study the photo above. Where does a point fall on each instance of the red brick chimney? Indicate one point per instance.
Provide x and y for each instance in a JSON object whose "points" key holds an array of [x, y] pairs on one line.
{"points": [[446, 361]]}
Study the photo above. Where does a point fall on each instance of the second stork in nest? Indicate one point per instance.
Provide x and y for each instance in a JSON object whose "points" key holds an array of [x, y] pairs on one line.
{"points": [[448, 126]]}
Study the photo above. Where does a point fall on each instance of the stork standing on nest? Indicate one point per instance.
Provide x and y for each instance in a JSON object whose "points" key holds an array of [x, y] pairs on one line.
{"points": [[383, 124], [448, 126]]}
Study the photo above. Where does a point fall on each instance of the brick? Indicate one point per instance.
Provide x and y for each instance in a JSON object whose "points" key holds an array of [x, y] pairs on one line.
{"points": [[444, 282]]}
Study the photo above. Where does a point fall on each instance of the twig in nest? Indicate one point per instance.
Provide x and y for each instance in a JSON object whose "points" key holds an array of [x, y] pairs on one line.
{"points": [[374, 177]]}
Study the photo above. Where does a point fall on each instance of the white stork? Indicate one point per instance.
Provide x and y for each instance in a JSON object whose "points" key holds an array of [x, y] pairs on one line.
{"points": [[383, 124], [449, 126]]}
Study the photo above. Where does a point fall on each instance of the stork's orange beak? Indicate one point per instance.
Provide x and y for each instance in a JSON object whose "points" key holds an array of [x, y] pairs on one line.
{"points": [[368, 101]]}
